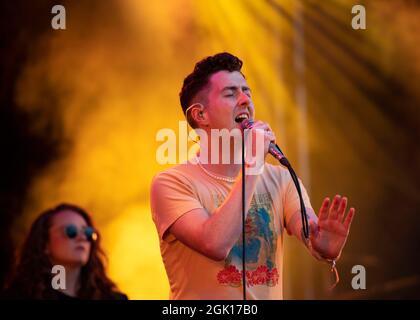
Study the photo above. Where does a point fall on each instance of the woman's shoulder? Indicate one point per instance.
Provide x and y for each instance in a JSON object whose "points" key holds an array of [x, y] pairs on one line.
{"points": [[118, 296]]}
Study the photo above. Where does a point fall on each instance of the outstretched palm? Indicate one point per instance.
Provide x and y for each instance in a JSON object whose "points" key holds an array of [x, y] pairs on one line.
{"points": [[329, 236]]}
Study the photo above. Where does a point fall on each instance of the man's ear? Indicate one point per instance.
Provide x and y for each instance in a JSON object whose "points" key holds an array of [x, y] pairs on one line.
{"points": [[199, 115]]}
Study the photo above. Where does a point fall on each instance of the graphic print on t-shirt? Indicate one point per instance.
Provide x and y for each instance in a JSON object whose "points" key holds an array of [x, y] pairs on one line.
{"points": [[260, 246]]}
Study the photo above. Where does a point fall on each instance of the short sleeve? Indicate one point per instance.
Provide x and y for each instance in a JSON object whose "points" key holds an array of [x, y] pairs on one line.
{"points": [[291, 202], [171, 196]]}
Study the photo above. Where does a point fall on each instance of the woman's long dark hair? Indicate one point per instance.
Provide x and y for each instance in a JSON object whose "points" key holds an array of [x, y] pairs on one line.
{"points": [[31, 277]]}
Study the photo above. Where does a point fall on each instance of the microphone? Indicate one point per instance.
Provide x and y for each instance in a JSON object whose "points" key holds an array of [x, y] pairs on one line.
{"points": [[273, 148]]}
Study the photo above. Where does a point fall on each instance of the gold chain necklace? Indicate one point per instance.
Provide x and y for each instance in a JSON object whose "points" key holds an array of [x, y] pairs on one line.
{"points": [[214, 176]]}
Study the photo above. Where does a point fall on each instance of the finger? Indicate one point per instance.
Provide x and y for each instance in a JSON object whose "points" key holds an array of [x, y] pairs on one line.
{"points": [[323, 212], [334, 207], [349, 219], [270, 135], [260, 130], [342, 209], [261, 125]]}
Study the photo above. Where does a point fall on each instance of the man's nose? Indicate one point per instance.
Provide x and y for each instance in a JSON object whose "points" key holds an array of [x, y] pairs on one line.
{"points": [[244, 99]]}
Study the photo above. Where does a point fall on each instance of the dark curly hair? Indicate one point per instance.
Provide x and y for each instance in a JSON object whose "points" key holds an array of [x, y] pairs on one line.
{"points": [[199, 78], [31, 277]]}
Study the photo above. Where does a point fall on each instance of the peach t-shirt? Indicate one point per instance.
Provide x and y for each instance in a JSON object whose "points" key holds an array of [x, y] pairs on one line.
{"points": [[192, 275]]}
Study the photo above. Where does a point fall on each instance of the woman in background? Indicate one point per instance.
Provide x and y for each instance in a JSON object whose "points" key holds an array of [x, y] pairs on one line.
{"points": [[62, 236]]}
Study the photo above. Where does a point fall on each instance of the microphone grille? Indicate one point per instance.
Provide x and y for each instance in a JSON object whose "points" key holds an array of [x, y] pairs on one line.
{"points": [[247, 124]]}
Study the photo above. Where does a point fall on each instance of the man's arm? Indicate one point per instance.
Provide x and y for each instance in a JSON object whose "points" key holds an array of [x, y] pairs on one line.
{"points": [[294, 227], [214, 235]]}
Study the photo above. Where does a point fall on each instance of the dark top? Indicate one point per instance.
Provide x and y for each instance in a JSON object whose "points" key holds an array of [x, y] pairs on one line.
{"points": [[14, 294]]}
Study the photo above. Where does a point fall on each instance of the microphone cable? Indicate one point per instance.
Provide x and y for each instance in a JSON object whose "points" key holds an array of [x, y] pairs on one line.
{"points": [[243, 218]]}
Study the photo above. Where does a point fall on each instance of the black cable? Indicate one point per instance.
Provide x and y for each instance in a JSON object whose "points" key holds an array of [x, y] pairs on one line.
{"points": [[243, 219], [304, 217]]}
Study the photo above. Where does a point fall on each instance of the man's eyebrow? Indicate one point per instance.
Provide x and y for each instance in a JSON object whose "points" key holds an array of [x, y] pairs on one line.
{"points": [[234, 88]]}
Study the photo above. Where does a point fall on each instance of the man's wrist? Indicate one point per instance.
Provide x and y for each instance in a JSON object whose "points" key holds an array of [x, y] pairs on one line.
{"points": [[330, 259]]}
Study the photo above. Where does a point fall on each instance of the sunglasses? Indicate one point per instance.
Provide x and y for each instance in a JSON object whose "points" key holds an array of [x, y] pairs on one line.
{"points": [[72, 232]]}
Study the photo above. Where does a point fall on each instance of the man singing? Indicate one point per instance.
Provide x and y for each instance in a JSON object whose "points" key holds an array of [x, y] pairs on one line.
{"points": [[197, 206]]}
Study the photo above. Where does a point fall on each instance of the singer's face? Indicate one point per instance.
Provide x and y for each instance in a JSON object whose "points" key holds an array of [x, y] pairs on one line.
{"points": [[229, 98]]}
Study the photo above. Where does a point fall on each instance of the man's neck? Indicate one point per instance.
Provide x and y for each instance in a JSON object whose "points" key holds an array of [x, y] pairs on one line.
{"points": [[230, 169], [227, 170]]}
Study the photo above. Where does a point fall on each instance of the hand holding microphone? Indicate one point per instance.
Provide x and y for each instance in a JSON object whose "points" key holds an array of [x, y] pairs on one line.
{"points": [[272, 147]]}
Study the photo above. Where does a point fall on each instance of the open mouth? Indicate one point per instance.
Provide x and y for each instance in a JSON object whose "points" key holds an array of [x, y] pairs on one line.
{"points": [[241, 117]]}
